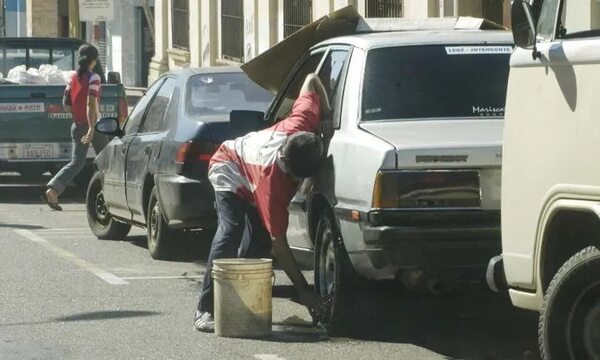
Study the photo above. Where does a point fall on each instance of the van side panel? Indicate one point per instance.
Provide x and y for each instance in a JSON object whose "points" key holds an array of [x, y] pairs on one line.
{"points": [[553, 103]]}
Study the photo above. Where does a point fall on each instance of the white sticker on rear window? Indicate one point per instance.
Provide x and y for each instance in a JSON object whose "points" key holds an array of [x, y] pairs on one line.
{"points": [[476, 50]]}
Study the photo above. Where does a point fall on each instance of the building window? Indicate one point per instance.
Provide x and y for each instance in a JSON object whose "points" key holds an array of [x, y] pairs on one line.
{"points": [[383, 8], [493, 10], [180, 24], [296, 14], [232, 30]]}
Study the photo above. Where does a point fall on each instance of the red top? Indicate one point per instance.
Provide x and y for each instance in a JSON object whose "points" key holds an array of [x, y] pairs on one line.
{"points": [[250, 166], [82, 87]]}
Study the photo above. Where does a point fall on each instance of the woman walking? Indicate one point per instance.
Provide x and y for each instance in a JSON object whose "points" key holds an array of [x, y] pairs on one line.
{"points": [[82, 98]]}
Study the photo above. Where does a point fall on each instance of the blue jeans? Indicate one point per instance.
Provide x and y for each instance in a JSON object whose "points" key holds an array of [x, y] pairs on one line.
{"points": [[78, 157], [240, 233]]}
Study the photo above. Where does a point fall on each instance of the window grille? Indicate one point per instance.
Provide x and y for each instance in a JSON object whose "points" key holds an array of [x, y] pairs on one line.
{"points": [[296, 14], [232, 30], [180, 24], [384, 8]]}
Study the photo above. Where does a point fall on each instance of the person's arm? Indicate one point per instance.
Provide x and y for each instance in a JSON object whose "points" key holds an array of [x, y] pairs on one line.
{"points": [[313, 84], [286, 259], [92, 115], [92, 107]]}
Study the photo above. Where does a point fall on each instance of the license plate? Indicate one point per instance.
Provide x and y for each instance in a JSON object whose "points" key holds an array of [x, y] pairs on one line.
{"points": [[38, 151]]}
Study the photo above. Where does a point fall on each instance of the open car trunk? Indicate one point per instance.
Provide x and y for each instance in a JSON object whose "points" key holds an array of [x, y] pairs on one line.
{"points": [[271, 68]]}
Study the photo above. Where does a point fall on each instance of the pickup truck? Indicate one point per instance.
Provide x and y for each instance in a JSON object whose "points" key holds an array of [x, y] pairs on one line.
{"points": [[34, 127]]}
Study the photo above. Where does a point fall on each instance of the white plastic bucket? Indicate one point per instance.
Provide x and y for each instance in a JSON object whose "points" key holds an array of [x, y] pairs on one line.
{"points": [[243, 297]]}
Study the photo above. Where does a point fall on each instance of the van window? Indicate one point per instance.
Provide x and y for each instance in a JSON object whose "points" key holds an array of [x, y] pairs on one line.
{"points": [[437, 81], [546, 26], [577, 20]]}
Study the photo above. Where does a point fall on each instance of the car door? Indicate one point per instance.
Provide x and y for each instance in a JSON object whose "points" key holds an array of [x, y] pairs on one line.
{"points": [[145, 148], [114, 175], [331, 71]]}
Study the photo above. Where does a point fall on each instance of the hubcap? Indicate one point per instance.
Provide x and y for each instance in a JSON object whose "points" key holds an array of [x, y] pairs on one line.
{"points": [[154, 218], [591, 332], [101, 210], [327, 265]]}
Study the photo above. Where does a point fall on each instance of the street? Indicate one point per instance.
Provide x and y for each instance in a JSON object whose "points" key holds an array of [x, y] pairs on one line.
{"points": [[67, 295]]}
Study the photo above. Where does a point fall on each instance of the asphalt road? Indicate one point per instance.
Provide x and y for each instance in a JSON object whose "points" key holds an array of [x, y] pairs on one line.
{"points": [[66, 295]]}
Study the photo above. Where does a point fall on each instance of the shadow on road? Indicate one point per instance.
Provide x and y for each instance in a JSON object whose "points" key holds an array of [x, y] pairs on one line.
{"points": [[15, 189], [90, 316], [21, 226], [473, 323], [107, 315]]}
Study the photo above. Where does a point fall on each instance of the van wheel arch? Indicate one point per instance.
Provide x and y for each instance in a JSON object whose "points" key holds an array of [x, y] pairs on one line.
{"points": [[567, 232]]}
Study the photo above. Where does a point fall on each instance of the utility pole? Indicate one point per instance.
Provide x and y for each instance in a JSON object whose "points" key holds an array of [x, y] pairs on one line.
{"points": [[74, 24]]}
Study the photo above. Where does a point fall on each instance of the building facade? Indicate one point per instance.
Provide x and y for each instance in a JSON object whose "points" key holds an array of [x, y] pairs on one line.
{"points": [[223, 32], [126, 43]]}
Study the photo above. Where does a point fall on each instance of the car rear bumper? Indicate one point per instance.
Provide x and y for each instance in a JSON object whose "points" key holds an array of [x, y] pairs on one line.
{"points": [[439, 240], [186, 203]]}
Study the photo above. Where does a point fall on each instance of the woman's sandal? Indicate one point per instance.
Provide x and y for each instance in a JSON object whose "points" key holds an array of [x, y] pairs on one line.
{"points": [[52, 205]]}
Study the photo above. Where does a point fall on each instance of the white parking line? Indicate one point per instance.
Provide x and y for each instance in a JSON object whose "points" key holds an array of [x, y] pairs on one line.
{"points": [[60, 252], [268, 357]]}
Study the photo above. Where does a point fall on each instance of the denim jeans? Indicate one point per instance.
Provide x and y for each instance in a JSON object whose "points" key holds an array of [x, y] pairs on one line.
{"points": [[78, 157], [240, 233]]}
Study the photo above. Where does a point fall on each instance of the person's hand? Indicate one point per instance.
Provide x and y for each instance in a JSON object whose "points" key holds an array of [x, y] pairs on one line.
{"points": [[87, 138], [67, 108]]}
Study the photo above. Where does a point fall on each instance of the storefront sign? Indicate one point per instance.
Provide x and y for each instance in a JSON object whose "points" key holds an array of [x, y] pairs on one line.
{"points": [[96, 10]]}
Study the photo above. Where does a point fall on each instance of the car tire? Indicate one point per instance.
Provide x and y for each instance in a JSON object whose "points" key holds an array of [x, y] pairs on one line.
{"points": [[102, 224], [162, 240], [569, 326], [336, 281]]}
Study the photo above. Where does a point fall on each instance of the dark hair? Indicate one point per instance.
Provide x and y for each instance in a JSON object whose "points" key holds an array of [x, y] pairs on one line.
{"points": [[87, 54], [302, 154]]}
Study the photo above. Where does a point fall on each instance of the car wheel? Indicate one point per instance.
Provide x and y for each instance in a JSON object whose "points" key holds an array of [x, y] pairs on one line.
{"points": [[335, 278], [101, 222], [161, 239], [569, 326]]}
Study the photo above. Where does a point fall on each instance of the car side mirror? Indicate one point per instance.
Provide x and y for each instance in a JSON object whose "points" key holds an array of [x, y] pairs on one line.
{"points": [[114, 77], [109, 126], [242, 122], [524, 27]]}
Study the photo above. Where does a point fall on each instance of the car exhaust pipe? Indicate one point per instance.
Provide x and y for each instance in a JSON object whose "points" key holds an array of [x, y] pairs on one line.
{"points": [[427, 281]]}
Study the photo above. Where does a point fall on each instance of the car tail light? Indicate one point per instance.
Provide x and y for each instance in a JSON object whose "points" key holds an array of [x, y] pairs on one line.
{"points": [[123, 109], [195, 152], [427, 189]]}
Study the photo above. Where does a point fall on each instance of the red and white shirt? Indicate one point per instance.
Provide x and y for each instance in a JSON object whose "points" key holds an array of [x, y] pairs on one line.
{"points": [[250, 167], [88, 84]]}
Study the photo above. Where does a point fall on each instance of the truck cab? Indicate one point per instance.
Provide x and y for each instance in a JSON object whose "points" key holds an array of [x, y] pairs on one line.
{"points": [[550, 204]]}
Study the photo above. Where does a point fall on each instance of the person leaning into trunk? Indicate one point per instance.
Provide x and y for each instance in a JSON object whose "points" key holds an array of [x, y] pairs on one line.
{"points": [[82, 98], [255, 178]]}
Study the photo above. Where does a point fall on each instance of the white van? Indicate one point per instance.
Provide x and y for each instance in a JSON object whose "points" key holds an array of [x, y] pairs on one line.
{"points": [[551, 175]]}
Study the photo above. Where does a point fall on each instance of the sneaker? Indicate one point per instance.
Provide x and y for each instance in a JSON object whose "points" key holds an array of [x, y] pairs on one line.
{"points": [[204, 322]]}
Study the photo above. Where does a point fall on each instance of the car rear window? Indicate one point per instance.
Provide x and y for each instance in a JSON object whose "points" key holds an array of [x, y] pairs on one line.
{"points": [[213, 94], [435, 81]]}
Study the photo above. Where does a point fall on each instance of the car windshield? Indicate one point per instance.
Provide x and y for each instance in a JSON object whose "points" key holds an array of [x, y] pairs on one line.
{"points": [[219, 93], [424, 82]]}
